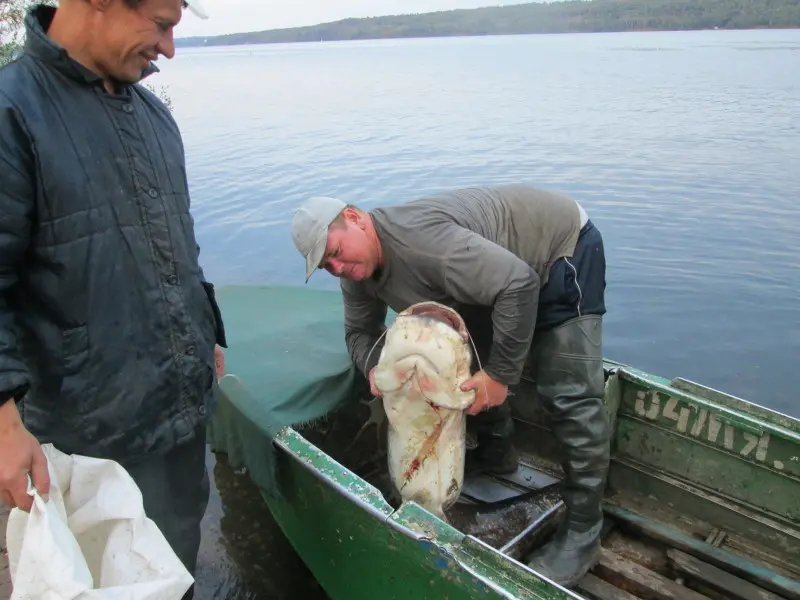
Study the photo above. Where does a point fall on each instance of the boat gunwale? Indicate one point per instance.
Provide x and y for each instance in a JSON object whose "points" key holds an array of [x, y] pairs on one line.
{"points": [[766, 422]]}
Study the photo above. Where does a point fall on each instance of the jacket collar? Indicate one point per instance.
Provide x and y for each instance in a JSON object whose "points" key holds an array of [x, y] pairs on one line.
{"points": [[37, 22]]}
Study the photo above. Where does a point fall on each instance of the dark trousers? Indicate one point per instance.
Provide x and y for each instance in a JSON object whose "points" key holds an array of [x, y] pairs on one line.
{"points": [[175, 492], [575, 287]]}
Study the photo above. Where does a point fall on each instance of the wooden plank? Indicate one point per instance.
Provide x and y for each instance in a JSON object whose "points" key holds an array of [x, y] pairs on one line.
{"points": [[741, 567], [600, 589], [636, 578], [733, 587], [626, 574]]}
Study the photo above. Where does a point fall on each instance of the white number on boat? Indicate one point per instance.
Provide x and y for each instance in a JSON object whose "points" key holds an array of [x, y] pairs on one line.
{"points": [[696, 421]]}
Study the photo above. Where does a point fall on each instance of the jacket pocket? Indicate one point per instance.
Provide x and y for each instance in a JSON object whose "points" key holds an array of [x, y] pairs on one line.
{"points": [[74, 350], [76, 380], [219, 326]]}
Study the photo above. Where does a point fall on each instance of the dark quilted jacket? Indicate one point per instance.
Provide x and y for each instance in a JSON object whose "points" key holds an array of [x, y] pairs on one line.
{"points": [[105, 317]]}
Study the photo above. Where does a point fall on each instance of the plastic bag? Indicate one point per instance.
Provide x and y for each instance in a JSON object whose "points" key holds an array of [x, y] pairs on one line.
{"points": [[91, 540]]}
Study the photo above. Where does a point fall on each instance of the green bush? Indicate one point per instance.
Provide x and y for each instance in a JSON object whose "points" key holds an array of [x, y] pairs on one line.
{"points": [[12, 14]]}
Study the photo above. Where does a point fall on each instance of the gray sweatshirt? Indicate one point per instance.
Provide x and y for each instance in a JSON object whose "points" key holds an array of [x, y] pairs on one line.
{"points": [[476, 246]]}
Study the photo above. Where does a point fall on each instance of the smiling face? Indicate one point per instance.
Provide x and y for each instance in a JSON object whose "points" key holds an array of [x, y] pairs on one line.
{"points": [[352, 251], [129, 35]]}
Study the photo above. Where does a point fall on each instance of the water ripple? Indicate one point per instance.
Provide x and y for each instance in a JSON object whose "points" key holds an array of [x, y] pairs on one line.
{"points": [[682, 146]]}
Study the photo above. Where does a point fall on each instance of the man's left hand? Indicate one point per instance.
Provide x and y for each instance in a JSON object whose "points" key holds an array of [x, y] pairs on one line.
{"points": [[219, 362], [488, 392]]}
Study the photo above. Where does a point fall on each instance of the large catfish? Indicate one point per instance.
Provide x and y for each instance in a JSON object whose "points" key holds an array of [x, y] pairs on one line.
{"points": [[425, 359]]}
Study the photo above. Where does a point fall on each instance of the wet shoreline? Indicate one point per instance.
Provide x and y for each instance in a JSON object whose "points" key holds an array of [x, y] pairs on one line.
{"points": [[244, 554]]}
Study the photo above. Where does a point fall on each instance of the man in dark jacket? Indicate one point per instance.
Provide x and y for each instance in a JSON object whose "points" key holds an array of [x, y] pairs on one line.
{"points": [[526, 269], [107, 325]]}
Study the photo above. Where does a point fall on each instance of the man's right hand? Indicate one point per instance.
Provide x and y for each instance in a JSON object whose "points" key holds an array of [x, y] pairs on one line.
{"points": [[20, 454]]}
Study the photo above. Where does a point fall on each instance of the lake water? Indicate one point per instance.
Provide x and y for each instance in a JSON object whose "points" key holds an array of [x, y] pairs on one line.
{"points": [[683, 147]]}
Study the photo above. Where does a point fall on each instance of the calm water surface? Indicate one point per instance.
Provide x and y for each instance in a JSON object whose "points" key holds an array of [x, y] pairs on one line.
{"points": [[683, 147]]}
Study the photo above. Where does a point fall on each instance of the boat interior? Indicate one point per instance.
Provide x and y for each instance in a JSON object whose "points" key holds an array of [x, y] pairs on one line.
{"points": [[697, 505]]}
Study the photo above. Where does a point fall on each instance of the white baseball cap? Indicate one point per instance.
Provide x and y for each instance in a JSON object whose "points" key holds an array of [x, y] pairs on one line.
{"points": [[310, 228], [196, 7]]}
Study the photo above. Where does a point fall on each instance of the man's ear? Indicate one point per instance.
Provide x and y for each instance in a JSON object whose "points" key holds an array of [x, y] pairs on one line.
{"points": [[351, 215]]}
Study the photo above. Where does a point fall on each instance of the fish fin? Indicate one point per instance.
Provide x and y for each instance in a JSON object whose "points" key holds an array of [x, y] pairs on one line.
{"points": [[376, 417]]}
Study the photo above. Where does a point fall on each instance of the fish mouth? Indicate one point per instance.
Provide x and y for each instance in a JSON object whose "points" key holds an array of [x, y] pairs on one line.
{"points": [[439, 312]]}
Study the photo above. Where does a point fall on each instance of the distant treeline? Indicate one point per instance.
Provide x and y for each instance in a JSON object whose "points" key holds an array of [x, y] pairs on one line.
{"points": [[582, 16]]}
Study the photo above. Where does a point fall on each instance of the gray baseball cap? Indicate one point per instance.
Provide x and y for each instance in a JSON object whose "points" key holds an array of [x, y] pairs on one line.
{"points": [[310, 228], [197, 8]]}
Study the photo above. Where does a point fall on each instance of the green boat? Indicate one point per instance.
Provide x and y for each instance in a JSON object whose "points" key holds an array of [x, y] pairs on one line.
{"points": [[702, 499]]}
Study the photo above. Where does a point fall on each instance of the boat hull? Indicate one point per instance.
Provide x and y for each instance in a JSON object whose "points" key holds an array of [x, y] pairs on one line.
{"points": [[357, 546], [711, 477]]}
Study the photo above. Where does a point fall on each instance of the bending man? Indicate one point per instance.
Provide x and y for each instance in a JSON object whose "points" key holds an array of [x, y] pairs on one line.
{"points": [[526, 269]]}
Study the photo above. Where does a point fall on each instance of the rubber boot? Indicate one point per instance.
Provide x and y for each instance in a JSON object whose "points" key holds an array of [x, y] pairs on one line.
{"points": [[568, 367], [494, 452]]}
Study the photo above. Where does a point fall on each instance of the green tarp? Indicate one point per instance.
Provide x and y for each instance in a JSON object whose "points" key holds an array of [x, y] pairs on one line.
{"points": [[287, 364]]}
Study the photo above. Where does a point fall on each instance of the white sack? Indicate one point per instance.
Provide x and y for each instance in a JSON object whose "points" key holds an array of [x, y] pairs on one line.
{"points": [[91, 540]]}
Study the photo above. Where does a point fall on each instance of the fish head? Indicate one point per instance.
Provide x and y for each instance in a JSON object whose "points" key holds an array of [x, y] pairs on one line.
{"points": [[427, 354], [441, 326]]}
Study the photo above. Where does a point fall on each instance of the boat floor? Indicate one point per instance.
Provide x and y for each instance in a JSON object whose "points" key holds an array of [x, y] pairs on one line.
{"points": [[653, 551], [649, 550]]}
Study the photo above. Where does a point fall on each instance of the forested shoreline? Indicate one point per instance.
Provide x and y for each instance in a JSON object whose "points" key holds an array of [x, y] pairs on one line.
{"points": [[570, 16]]}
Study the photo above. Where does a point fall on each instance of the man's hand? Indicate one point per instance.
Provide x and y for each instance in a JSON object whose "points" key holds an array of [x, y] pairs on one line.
{"points": [[488, 392], [219, 362], [20, 454], [375, 391]]}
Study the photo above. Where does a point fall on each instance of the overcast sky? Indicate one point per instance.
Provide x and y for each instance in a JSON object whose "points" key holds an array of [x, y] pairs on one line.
{"points": [[236, 16]]}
